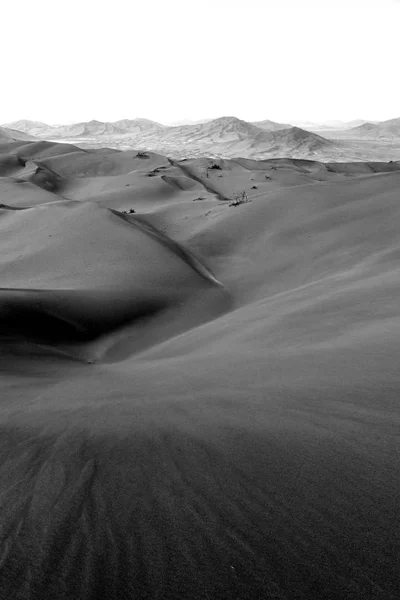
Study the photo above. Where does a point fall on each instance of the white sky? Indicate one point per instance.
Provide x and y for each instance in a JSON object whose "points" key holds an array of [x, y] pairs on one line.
{"points": [[65, 61]]}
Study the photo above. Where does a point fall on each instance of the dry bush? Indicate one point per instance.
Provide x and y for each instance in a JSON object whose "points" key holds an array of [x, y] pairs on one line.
{"points": [[240, 198]]}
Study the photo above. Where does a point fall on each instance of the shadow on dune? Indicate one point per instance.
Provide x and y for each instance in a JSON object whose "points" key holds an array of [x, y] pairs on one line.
{"points": [[145, 287], [10, 164], [106, 324], [6, 207], [63, 320], [70, 316]]}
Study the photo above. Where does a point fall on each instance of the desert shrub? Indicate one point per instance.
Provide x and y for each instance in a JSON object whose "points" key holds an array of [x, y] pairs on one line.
{"points": [[240, 198], [199, 198], [215, 167], [142, 154], [254, 187]]}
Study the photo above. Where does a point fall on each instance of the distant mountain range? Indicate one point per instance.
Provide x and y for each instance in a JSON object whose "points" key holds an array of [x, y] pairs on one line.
{"points": [[334, 125], [86, 129], [188, 122], [10, 135], [229, 136], [123, 126], [271, 125], [223, 127], [222, 137], [384, 129], [127, 126]]}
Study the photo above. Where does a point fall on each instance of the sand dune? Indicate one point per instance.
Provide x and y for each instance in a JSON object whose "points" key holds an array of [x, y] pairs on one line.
{"points": [[235, 434], [86, 248], [19, 193]]}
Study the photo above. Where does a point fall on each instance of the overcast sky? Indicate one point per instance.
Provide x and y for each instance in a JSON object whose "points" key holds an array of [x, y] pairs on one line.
{"points": [[288, 60]]}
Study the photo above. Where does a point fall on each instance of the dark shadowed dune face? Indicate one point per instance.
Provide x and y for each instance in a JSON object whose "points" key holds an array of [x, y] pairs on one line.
{"points": [[96, 272], [10, 164], [199, 400]]}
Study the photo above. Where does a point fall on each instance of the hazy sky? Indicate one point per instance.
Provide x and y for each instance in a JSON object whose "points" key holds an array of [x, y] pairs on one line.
{"points": [[74, 60]]}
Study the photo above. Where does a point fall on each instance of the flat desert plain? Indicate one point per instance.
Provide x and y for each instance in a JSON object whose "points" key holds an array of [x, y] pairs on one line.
{"points": [[199, 377]]}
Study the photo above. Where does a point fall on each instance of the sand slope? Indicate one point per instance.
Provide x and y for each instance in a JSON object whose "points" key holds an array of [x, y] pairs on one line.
{"points": [[226, 442]]}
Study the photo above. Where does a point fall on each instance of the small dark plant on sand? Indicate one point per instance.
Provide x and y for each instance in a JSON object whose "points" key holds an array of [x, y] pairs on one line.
{"points": [[215, 167], [240, 198], [142, 154]]}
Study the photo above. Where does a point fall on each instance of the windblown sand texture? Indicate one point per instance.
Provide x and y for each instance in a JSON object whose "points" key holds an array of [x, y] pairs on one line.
{"points": [[198, 400]]}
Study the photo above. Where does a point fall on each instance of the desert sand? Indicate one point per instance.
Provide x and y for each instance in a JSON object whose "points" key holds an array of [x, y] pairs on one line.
{"points": [[199, 400]]}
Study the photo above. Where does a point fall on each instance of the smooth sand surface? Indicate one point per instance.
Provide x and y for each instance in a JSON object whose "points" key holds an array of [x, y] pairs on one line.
{"points": [[199, 401]]}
